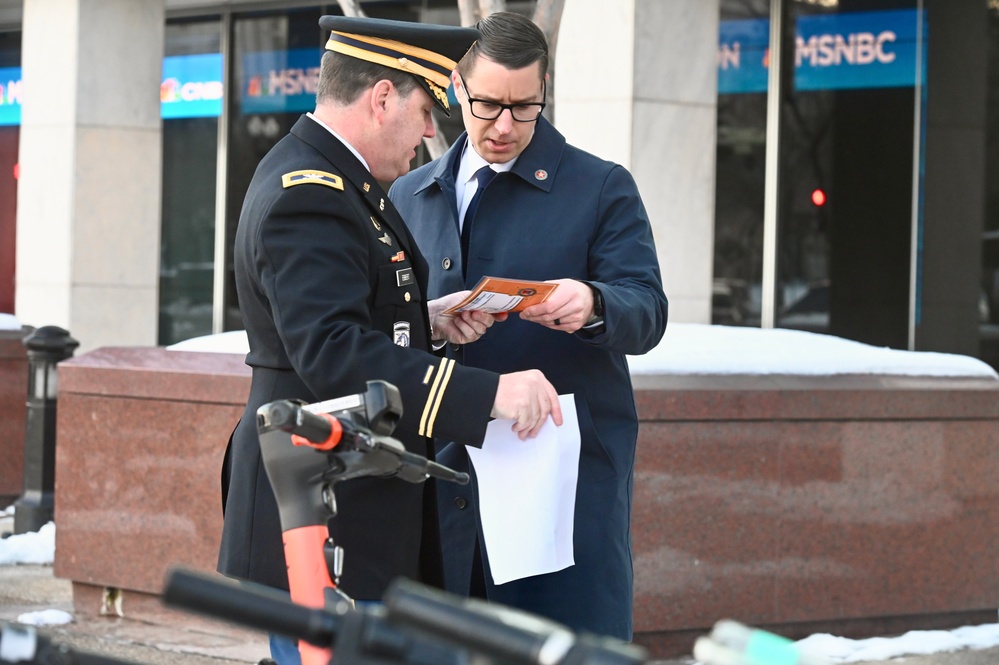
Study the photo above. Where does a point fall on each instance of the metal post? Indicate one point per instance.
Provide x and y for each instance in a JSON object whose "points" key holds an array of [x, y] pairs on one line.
{"points": [[771, 199], [46, 347]]}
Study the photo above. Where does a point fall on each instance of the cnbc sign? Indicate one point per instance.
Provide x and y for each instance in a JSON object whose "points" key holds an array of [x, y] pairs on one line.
{"points": [[191, 87]]}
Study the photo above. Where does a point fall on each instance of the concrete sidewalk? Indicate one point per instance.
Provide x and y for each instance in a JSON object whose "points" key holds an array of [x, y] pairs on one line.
{"points": [[167, 638], [176, 638]]}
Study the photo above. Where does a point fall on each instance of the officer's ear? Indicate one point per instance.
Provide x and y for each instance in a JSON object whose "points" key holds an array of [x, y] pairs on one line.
{"points": [[381, 96]]}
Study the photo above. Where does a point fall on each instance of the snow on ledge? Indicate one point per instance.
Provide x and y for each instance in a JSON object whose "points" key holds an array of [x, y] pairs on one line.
{"points": [[227, 342], [9, 322], [689, 348]]}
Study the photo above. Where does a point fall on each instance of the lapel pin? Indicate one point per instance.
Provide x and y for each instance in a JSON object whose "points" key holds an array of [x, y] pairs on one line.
{"points": [[386, 239], [378, 227], [367, 187], [541, 174]]}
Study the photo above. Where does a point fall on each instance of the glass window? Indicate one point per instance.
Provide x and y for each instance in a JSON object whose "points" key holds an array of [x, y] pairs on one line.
{"points": [[275, 70], [741, 162], [191, 99], [846, 170]]}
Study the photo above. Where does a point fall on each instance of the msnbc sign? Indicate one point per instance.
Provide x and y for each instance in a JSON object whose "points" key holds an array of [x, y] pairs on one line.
{"points": [[834, 52]]}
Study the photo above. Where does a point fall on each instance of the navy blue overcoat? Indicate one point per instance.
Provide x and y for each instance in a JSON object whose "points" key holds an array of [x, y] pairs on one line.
{"points": [[559, 213]]}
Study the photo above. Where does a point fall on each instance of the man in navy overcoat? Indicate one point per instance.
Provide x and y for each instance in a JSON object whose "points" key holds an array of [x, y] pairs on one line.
{"points": [[548, 211]]}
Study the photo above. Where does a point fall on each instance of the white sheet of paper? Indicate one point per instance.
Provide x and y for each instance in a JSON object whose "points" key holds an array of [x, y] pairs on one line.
{"points": [[527, 495]]}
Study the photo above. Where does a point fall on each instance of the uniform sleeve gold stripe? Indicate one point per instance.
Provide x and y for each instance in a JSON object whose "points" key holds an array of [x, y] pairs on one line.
{"points": [[406, 49], [439, 399], [430, 373], [389, 61], [430, 397]]}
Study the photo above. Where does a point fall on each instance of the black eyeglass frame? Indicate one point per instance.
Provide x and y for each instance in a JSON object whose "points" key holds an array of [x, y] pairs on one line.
{"points": [[503, 107]]}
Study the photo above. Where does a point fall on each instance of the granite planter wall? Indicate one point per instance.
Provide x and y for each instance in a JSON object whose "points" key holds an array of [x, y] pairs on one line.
{"points": [[13, 398], [856, 505], [141, 437]]}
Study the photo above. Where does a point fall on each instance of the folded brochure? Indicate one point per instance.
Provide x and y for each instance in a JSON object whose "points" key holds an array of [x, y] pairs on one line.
{"points": [[497, 294]]}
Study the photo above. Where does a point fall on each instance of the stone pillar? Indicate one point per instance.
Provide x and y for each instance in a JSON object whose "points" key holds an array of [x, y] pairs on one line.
{"points": [[88, 219], [954, 186], [637, 84]]}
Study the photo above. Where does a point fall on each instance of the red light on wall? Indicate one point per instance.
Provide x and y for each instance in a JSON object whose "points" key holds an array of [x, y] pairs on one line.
{"points": [[819, 198], [17, 171]]}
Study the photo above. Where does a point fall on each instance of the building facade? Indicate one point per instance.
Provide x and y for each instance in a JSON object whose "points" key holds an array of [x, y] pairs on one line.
{"points": [[827, 165]]}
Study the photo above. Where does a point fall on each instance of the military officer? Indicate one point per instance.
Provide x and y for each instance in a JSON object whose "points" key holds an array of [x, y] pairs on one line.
{"points": [[332, 290]]}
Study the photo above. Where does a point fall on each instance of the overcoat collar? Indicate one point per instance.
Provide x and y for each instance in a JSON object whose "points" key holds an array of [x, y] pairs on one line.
{"points": [[536, 166]]}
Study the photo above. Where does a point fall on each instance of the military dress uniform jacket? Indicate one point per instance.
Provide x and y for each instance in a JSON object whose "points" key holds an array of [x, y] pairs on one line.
{"points": [[331, 289], [559, 213]]}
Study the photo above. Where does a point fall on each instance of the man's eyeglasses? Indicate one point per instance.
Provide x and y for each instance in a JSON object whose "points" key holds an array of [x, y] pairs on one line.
{"points": [[484, 109]]}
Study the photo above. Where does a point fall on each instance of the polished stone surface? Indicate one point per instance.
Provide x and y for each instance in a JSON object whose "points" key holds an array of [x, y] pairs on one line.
{"points": [[13, 397], [141, 437], [815, 502], [863, 504]]}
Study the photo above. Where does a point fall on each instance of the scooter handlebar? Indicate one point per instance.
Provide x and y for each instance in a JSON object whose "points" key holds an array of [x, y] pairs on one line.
{"points": [[250, 604]]}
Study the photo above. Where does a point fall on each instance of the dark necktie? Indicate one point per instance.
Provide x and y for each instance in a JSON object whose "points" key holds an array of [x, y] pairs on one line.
{"points": [[484, 176]]}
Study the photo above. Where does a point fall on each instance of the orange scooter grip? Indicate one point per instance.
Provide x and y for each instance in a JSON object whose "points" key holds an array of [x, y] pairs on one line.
{"points": [[308, 578], [330, 442]]}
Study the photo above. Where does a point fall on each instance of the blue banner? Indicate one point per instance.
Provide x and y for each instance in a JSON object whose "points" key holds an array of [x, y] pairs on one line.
{"points": [[279, 81], [192, 86], [10, 95], [832, 52]]}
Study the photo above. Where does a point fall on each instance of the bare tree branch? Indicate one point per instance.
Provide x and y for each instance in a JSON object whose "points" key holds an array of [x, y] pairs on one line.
{"points": [[548, 17], [471, 11], [487, 7], [437, 146], [351, 8], [468, 10]]}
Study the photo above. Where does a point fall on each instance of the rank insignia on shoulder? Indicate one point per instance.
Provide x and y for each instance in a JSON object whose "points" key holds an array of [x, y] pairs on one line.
{"points": [[311, 178]]}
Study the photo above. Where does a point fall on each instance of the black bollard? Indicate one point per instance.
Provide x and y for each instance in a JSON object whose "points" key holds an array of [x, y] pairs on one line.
{"points": [[46, 347]]}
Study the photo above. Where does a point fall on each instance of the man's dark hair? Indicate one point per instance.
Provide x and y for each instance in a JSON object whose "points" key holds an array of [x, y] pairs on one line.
{"points": [[343, 78], [510, 40]]}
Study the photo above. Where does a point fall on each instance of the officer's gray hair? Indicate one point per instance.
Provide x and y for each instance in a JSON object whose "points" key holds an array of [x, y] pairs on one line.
{"points": [[342, 79]]}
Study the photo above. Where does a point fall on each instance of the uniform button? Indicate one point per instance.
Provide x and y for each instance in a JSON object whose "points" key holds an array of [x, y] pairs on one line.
{"points": [[460, 502], [446, 263], [407, 296]]}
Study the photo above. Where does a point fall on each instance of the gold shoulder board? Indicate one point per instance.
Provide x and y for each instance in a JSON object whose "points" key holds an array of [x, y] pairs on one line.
{"points": [[312, 177]]}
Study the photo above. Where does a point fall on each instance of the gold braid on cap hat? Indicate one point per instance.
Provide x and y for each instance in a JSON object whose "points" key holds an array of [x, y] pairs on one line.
{"points": [[434, 67]]}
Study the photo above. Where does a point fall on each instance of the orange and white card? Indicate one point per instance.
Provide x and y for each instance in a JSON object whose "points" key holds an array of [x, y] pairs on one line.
{"points": [[498, 294]]}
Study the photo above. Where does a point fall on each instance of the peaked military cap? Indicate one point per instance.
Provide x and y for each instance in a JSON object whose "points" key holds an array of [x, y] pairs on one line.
{"points": [[428, 52]]}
